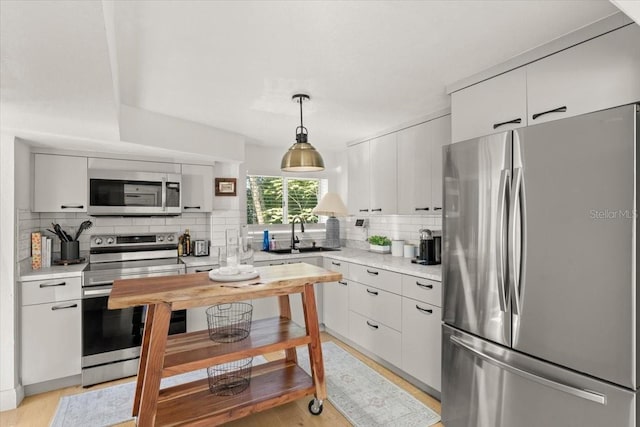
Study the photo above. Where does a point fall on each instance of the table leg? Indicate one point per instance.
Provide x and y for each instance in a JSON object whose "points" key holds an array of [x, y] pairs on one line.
{"points": [[285, 312], [153, 365], [144, 351], [315, 348]]}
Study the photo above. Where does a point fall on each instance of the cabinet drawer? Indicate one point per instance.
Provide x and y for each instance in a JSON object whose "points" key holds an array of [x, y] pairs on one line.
{"points": [[376, 304], [381, 279], [424, 290], [376, 337], [337, 266], [200, 269], [421, 341], [42, 291]]}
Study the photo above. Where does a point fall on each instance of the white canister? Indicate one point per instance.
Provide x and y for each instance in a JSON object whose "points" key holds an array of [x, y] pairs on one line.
{"points": [[409, 251], [396, 247]]}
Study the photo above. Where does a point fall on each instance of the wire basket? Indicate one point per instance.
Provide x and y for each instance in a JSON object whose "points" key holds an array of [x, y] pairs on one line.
{"points": [[229, 322], [230, 378]]}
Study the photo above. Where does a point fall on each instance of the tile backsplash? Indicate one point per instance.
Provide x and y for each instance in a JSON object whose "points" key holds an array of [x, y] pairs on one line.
{"points": [[199, 225], [395, 227]]}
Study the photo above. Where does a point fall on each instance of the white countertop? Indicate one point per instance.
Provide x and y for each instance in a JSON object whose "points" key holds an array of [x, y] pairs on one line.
{"points": [[356, 256]]}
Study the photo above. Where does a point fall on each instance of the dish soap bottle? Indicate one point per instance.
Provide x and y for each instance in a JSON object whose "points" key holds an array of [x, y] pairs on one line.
{"points": [[265, 240], [272, 243]]}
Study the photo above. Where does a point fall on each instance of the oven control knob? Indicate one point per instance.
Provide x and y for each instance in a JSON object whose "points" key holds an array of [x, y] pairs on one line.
{"points": [[98, 241], [160, 238], [170, 238], [110, 240]]}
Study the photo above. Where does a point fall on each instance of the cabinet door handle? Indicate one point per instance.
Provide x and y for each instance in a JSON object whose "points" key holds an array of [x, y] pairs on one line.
{"points": [[375, 273], [71, 206], [51, 285], [562, 109], [63, 307], [363, 210], [336, 263], [276, 263], [372, 292], [203, 270], [376, 210], [422, 285], [191, 207], [342, 283], [510, 122], [372, 325], [437, 208], [422, 209], [424, 310]]}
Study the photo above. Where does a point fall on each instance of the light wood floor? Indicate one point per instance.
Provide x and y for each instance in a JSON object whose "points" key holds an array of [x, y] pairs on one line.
{"points": [[38, 410]]}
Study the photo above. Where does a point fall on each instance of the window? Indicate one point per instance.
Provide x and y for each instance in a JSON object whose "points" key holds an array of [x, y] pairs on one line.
{"points": [[276, 199]]}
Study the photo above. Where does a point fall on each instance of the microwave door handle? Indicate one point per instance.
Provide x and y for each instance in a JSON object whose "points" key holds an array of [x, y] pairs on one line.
{"points": [[164, 193]]}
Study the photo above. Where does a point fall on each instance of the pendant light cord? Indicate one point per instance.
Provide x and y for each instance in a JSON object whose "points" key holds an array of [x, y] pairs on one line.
{"points": [[300, 100]]}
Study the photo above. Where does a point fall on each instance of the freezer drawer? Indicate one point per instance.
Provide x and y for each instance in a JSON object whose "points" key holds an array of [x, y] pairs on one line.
{"points": [[487, 385]]}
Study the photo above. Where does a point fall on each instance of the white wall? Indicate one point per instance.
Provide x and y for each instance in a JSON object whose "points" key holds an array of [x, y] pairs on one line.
{"points": [[11, 392]]}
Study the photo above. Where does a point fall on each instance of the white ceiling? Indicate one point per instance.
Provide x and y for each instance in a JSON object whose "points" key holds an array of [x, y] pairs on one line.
{"points": [[368, 66]]}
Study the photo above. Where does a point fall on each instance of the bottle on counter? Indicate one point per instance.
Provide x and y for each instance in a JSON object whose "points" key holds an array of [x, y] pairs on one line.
{"points": [[272, 243], [187, 243], [265, 240], [180, 246]]}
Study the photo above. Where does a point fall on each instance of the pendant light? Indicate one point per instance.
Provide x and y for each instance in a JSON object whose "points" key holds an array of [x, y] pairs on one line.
{"points": [[302, 156]]}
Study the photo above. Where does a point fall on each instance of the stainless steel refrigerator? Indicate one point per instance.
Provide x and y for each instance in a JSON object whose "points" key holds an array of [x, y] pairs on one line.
{"points": [[539, 275]]}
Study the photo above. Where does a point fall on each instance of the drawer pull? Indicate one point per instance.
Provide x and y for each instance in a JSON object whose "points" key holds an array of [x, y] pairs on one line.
{"points": [[342, 283], [510, 122], [422, 285], [336, 263], [63, 307], [424, 310], [422, 209], [372, 292], [562, 109], [191, 207], [51, 285], [437, 208], [203, 270], [71, 206], [375, 273], [276, 263], [376, 210], [372, 325], [363, 210]]}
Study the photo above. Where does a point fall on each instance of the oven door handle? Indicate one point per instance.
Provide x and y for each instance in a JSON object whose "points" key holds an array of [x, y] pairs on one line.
{"points": [[99, 292]]}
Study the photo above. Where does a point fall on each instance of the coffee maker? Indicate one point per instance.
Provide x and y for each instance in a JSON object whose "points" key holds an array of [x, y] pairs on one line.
{"points": [[430, 247]]}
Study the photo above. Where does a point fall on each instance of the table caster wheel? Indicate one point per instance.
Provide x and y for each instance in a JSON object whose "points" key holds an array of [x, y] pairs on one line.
{"points": [[315, 407]]}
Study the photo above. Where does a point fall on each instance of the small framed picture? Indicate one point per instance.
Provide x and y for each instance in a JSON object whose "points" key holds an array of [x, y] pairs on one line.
{"points": [[225, 186]]}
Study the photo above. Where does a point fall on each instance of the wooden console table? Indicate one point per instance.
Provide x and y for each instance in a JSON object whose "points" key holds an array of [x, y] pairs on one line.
{"points": [[162, 355]]}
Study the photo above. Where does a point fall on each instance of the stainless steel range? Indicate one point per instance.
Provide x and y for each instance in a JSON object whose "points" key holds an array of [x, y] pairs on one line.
{"points": [[111, 338]]}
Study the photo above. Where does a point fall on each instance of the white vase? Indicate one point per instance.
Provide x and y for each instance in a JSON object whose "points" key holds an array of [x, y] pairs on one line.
{"points": [[380, 249]]}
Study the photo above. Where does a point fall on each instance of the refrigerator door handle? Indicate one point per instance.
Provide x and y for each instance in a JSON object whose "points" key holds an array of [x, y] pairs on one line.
{"points": [[574, 391], [502, 201], [515, 270]]}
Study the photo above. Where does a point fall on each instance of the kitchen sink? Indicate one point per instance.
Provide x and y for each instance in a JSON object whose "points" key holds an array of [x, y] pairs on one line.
{"points": [[303, 250]]}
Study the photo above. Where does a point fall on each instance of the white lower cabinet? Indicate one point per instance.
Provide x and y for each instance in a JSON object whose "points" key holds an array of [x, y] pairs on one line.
{"points": [[335, 299], [51, 341], [375, 337], [197, 316], [376, 304], [421, 341]]}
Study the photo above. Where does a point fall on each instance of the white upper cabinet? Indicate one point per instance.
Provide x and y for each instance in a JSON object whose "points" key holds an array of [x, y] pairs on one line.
{"points": [[420, 166], [495, 105], [601, 73], [197, 188], [60, 184], [359, 166], [383, 175]]}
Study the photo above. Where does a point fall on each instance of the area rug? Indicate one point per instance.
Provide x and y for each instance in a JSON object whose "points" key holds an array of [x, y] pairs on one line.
{"points": [[363, 396]]}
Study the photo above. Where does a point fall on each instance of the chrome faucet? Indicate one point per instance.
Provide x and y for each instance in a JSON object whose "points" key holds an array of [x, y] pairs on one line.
{"points": [[295, 239]]}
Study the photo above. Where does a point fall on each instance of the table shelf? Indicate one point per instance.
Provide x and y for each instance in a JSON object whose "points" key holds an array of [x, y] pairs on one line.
{"points": [[195, 350], [272, 383]]}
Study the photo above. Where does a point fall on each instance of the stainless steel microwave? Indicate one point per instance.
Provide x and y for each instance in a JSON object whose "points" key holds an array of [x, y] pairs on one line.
{"points": [[113, 192]]}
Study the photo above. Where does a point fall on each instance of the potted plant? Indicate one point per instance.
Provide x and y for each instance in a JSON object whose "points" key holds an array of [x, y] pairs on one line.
{"points": [[380, 244]]}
